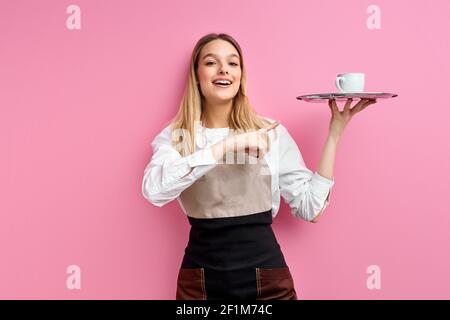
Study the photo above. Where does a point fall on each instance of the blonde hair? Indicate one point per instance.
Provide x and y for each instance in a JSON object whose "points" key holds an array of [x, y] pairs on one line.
{"points": [[243, 117]]}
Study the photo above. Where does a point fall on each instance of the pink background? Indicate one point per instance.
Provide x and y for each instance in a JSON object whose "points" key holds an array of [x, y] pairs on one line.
{"points": [[79, 108]]}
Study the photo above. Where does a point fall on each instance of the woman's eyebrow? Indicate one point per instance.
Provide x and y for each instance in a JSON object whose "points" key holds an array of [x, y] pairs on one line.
{"points": [[214, 55]]}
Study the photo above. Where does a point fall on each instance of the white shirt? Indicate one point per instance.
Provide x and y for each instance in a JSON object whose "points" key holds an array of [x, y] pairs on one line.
{"points": [[168, 173]]}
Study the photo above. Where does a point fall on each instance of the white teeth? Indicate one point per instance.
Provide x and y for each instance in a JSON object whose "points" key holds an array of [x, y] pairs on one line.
{"points": [[222, 82]]}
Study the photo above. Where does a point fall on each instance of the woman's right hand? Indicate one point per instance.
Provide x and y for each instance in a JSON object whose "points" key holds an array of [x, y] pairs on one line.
{"points": [[254, 143]]}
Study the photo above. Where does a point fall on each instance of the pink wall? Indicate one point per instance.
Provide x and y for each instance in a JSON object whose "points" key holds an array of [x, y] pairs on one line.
{"points": [[79, 108]]}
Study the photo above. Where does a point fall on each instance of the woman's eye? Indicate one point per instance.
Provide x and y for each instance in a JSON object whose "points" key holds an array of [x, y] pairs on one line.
{"points": [[210, 62]]}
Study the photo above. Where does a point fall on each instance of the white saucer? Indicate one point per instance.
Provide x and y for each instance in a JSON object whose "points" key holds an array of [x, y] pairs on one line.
{"points": [[320, 97]]}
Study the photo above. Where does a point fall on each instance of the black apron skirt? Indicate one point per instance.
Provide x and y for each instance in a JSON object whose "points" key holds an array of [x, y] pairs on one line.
{"points": [[234, 258]]}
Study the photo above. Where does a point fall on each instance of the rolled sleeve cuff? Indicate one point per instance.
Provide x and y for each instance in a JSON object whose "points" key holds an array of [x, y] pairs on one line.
{"points": [[201, 158], [175, 170], [321, 186], [192, 166]]}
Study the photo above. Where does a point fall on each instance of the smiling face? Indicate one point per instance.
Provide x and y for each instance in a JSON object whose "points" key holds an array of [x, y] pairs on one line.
{"points": [[219, 59]]}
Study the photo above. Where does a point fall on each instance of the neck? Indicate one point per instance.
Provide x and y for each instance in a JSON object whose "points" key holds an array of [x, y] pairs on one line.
{"points": [[216, 115]]}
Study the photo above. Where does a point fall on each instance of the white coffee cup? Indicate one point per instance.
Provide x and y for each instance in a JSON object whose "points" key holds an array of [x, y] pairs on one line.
{"points": [[350, 82]]}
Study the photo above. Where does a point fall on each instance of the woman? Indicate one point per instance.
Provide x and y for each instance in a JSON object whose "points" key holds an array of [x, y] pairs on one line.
{"points": [[227, 167]]}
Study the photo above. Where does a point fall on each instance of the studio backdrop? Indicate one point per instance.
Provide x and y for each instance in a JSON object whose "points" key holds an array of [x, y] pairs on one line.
{"points": [[85, 86]]}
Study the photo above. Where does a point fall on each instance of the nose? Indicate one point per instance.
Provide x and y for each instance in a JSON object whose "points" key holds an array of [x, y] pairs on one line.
{"points": [[223, 70]]}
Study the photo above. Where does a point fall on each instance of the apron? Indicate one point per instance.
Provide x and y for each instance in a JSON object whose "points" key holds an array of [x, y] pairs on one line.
{"points": [[232, 251]]}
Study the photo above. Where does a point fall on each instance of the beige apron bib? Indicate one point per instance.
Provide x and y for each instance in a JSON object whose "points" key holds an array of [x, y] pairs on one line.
{"points": [[230, 190]]}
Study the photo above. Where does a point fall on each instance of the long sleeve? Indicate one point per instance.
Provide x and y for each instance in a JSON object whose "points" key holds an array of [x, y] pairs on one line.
{"points": [[168, 173], [306, 193]]}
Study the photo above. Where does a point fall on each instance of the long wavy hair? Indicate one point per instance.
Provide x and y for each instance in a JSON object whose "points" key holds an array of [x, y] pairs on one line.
{"points": [[243, 118]]}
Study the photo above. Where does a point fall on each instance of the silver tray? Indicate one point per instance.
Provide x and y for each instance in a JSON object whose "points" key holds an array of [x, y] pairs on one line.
{"points": [[320, 97]]}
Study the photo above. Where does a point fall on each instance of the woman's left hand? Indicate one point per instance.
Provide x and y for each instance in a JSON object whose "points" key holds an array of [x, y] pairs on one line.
{"points": [[340, 119]]}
